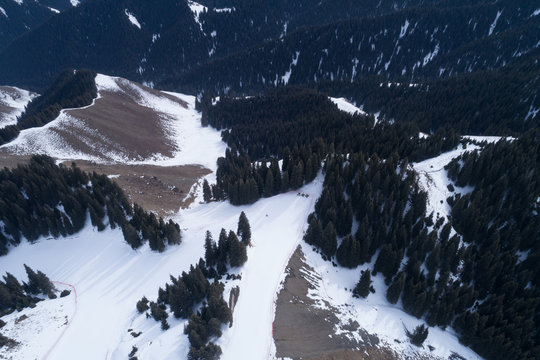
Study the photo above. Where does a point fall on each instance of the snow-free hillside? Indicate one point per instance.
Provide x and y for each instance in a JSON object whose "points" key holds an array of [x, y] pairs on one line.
{"points": [[127, 123], [12, 103]]}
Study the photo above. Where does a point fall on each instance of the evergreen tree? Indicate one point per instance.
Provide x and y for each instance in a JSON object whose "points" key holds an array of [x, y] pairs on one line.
{"points": [[207, 192], [210, 250], [244, 229], [329, 240], [363, 287], [394, 290]]}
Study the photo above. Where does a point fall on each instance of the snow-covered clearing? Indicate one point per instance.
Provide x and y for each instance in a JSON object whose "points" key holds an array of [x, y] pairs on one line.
{"points": [[110, 278], [344, 105], [3, 11], [15, 100], [375, 314], [132, 19], [197, 9], [433, 178]]}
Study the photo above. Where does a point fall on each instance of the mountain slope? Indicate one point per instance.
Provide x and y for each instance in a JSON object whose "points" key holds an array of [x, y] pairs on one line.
{"points": [[116, 36], [19, 17], [401, 45]]}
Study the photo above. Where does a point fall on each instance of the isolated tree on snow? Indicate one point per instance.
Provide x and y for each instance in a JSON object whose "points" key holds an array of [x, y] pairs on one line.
{"points": [[244, 229], [363, 287], [419, 335], [207, 192]]}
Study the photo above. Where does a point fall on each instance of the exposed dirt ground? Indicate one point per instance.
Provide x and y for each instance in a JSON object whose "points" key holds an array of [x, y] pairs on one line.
{"points": [[162, 190], [303, 331]]}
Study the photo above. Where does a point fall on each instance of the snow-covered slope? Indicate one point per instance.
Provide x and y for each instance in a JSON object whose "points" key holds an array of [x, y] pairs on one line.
{"points": [[344, 105], [110, 277], [375, 314], [12, 103]]}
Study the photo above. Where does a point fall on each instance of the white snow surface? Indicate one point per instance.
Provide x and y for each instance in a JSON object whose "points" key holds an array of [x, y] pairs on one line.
{"points": [[132, 19], [535, 13], [75, 2], [344, 105], [3, 11], [494, 24], [375, 314], [197, 9], [16, 99], [488, 139], [404, 28], [19, 1], [110, 278], [433, 178], [54, 10], [183, 124]]}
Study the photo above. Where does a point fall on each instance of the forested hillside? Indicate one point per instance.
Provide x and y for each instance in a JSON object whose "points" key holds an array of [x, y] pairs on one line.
{"points": [[460, 279], [42, 199], [72, 88], [18, 17], [302, 128]]}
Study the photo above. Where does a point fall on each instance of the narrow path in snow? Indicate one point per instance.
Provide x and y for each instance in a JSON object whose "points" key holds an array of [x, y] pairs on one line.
{"points": [[48, 353]]}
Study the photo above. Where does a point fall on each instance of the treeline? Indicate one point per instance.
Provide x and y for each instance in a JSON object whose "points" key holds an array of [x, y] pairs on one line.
{"points": [[500, 222], [43, 199], [301, 128], [17, 296], [482, 280], [184, 295], [71, 89]]}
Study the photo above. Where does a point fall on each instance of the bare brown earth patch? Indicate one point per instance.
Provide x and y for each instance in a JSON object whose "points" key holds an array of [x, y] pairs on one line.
{"points": [[162, 190], [305, 331], [118, 124]]}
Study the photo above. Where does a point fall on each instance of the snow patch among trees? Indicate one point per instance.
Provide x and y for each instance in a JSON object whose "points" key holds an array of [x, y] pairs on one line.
{"points": [[132, 19]]}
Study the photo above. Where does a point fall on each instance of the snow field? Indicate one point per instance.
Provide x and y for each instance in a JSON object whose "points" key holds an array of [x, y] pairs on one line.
{"points": [[47, 321], [110, 278], [433, 178], [344, 105]]}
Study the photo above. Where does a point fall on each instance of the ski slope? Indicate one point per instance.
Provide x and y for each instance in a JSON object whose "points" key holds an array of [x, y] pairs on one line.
{"points": [[110, 278]]}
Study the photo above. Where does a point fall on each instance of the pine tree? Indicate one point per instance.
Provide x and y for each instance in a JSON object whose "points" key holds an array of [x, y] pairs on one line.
{"points": [[363, 287], [419, 335], [210, 250], [394, 290], [329, 240], [244, 229], [207, 192]]}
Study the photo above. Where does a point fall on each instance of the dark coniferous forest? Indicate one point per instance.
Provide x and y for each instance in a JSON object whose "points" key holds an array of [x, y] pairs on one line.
{"points": [[42, 199]]}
